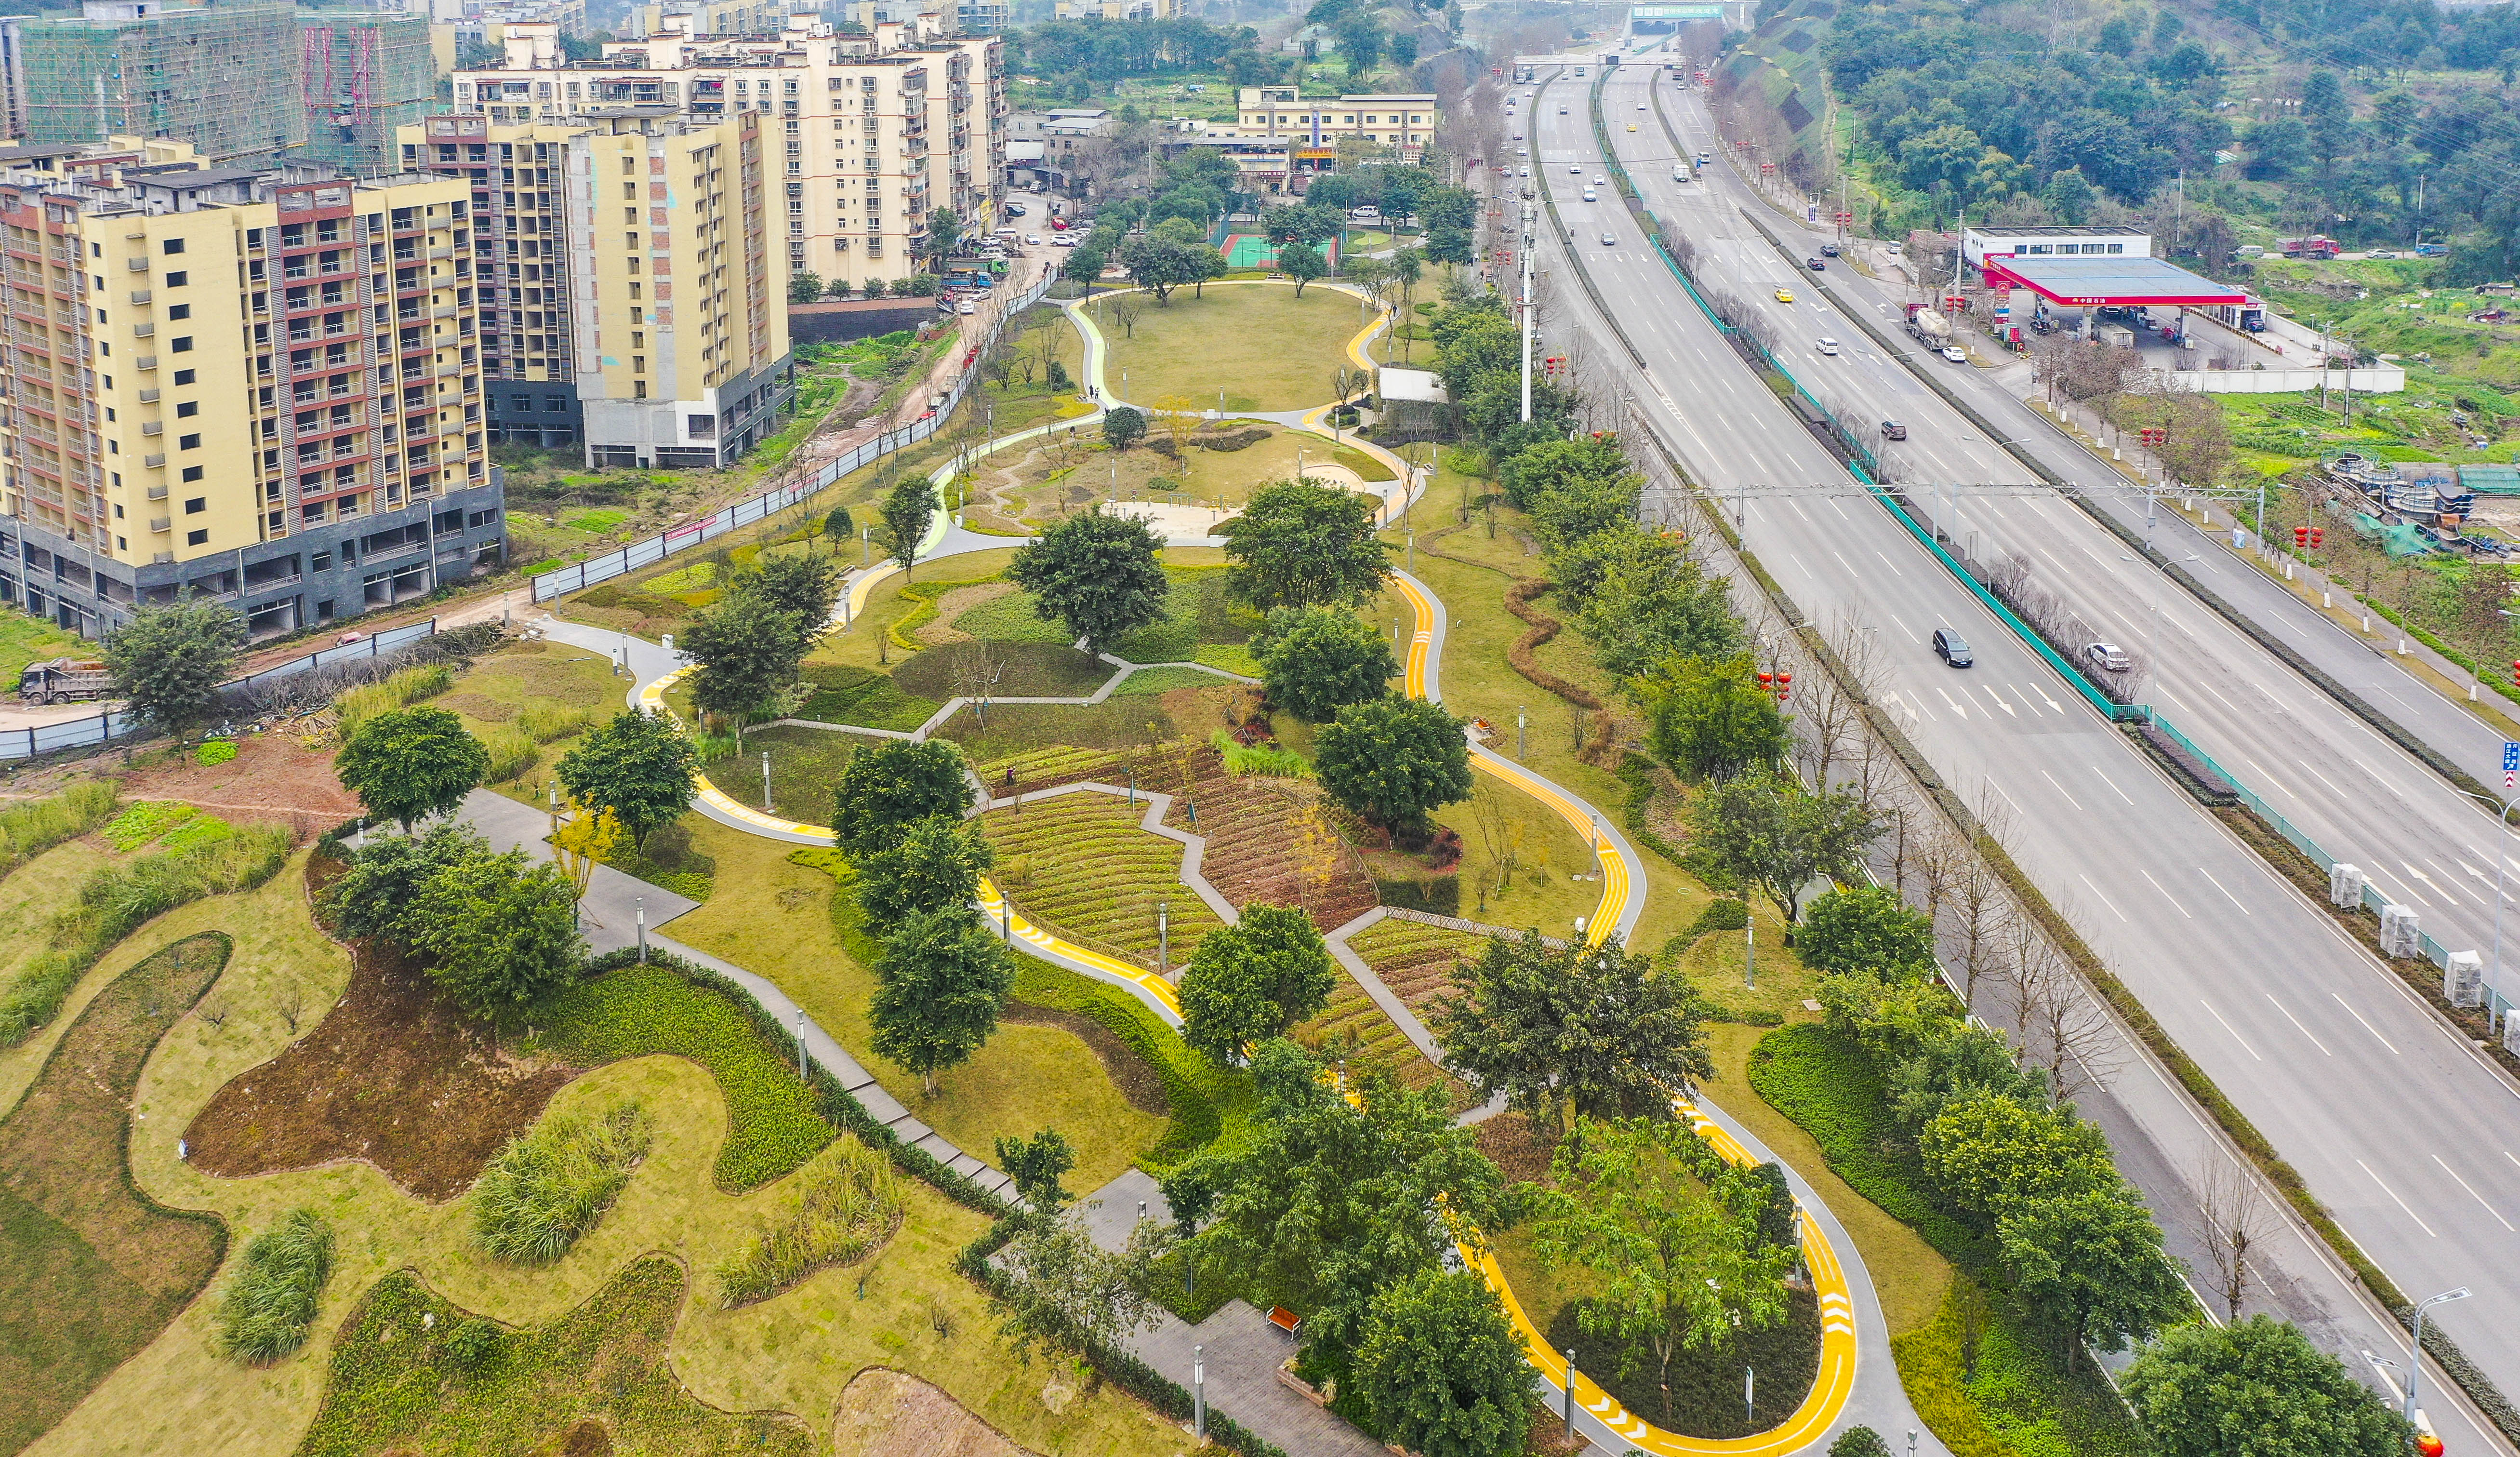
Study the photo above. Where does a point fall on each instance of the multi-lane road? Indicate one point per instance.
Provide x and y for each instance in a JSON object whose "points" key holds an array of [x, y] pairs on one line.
{"points": [[2411, 1137]]}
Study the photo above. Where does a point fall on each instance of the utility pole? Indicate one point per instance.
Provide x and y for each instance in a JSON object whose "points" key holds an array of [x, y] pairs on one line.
{"points": [[1526, 310]]}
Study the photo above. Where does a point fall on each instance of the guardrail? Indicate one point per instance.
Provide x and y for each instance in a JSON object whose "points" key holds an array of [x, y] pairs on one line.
{"points": [[562, 580], [105, 728]]}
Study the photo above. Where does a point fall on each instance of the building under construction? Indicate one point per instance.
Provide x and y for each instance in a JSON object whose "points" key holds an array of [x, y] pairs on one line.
{"points": [[363, 73], [223, 77]]}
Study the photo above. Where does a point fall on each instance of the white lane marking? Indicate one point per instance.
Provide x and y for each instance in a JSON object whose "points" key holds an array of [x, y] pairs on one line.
{"points": [[2060, 788], [2472, 1194], [2321, 778], [2007, 799], [2165, 894], [2009, 710], [1892, 565], [2227, 895], [2453, 886], [2367, 1026], [2111, 783], [2104, 900], [2296, 1022], [2393, 1195], [2045, 699], [2226, 1027], [1949, 703]]}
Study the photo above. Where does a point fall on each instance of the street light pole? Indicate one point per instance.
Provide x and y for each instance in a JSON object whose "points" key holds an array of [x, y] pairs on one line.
{"points": [[2415, 1363], [2502, 865]]}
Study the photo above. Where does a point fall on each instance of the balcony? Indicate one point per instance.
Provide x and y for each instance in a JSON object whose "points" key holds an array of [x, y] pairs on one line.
{"points": [[145, 361], [136, 265], [155, 461], [157, 492], [161, 523], [140, 295], [143, 331], [152, 427]]}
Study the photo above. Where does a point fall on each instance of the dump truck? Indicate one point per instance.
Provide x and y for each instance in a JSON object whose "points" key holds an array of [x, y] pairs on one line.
{"points": [[65, 680], [2315, 245]]}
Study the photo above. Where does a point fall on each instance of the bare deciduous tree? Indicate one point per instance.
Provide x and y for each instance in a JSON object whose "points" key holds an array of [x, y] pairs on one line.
{"points": [[2232, 1216], [2057, 1026], [292, 1006]]}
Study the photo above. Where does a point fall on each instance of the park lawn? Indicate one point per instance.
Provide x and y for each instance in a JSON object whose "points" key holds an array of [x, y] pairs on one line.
{"points": [[23, 639], [1216, 478], [177, 1393], [29, 896], [491, 696], [777, 918], [1257, 343]]}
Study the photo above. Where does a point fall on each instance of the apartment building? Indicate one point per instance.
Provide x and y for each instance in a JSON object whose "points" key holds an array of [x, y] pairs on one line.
{"points": [[1311, 129], [580, 340], [865, 135], [363, 73], [221, 77], [1118, 10], [238, 383], [709, 17]]}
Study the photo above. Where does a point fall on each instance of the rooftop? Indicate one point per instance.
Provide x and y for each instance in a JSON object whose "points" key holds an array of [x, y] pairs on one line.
{"points": [[2121, 282]]}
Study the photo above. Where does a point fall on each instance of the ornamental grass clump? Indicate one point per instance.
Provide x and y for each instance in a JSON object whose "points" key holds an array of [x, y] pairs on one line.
{"points": [[552, 1184], [28, 828], [269, 1304], [838, 1207]]}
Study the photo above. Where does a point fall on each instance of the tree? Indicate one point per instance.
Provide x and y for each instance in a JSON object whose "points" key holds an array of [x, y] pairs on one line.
{"points": [[1394, 761], [934, 865], [1302, 262], [168, 661], [2255, 1389], [1317, 660], [1574, 1031], [1858, 1442], [940, 984], [1301, 544], [1642, 599], [1546, 467], [1253, 980], [639, 767], [375, 895], [1340, 1193], [2092, 1263], [1160, 264], [1035, 1166], [746, 649], [1123, 427], [944, 235], [804, 286], [410, 763], [2070, 196], [1441, 1370], [499, 932], [804, 585], [1085, 267], [1095, 573], [1776, 834], [1676, 1269], [840, 525], [1062, 1291], [1709, 718], [1866, 928], [906, 512], [583, 840], [1208, 264], [892, 786]]}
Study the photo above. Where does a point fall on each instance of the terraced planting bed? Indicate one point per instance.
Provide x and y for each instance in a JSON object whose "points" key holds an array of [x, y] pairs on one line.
{"points": [[1420, 962], [1353, 1026], [1082, 865], [1265, 843]]}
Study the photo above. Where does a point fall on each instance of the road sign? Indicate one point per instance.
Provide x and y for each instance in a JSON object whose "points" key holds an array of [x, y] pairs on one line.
{"points": [[2510, 763]]}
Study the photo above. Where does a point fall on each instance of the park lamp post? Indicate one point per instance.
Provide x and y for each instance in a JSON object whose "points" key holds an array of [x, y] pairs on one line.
{"points": [[2416, 1362]]}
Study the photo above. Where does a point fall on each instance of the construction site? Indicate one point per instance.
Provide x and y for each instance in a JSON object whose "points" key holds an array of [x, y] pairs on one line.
{"points": [[363, 73]]}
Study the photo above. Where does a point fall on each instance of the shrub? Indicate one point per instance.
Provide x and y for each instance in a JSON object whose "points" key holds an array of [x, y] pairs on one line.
{"points": [[1259, 758], [512, 751], [474, 1343], [1723, 913], [214, 751], [270, 1302], [549, 1185], [400, 689], [29, 829], [834, 1209]]}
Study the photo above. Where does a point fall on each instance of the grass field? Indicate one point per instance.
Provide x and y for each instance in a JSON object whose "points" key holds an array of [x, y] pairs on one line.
{"points": [[25, 639], [1256, 344], [1082, 865], [495, 696], [1046, 481]]}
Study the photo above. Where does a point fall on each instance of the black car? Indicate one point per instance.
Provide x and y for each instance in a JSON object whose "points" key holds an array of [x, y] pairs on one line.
{"points": [[1813, 264], [1892, 430], [1950, 649], [1829, 250]]}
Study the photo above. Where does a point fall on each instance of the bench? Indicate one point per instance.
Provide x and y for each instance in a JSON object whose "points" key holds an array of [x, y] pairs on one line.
{"points": [[1285, 1320]]}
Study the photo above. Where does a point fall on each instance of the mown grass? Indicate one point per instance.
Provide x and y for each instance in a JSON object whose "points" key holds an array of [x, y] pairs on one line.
{"points": [[270, 1302], [551, 1184], [837, 1208], [1263, 346]]}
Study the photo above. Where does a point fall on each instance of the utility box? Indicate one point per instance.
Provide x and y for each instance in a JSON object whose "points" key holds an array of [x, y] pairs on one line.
{"points": [[2398, 933], [2344, 886], [2464, 979], [2510, 1032]]}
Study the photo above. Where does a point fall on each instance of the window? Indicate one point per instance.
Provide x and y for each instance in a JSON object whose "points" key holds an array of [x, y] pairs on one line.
{"points": [[179, 311], [196, 505], [188, 442], [197, 538], [192, 474], [323, 560], [185, 408], [554, 405], [183, 377], [521, 402], [174, 244], [182, 345], [178, 279]]}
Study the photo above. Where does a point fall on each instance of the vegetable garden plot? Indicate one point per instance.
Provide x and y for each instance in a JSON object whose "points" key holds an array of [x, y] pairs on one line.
{"points": [[1420, 963], [1083, 865]]}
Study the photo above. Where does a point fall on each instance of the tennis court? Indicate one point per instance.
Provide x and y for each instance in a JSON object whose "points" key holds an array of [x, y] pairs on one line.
{"points": [[1248, 251]]}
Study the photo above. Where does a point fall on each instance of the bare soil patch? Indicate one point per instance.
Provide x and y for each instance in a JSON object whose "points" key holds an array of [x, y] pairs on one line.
{"points": [[273, 780], [391, 1075], [1128, 1072], [1520, 1147], [888, 1413]]}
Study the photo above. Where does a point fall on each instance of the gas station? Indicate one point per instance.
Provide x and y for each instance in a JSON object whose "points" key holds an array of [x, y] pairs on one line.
{"points": [[2103, 274]]}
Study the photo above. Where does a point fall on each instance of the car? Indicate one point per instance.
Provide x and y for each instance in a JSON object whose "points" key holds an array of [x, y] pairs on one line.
{"points": [[1894, 249], [1640, 106], [1816, 265], [1829, 250], [1784, 295], [1826, 345], [1955, 353], [1526, 172], [1952, 647], [1517, 136], [2381, 252], [1014, 209], [964, 307], [1574, 170], [1561, 111], [1632, 126], [1892, 430], [1522, 152], [1063, 240], [1599, 180], [1680, 174], [2108, 657], [1032, 239], [1609, 239], [1591, 195]]}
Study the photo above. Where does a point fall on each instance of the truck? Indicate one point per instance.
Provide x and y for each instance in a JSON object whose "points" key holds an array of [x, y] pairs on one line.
{"points": [[2117, 335], [65, 680], [2315, 245], [1928, 325]]}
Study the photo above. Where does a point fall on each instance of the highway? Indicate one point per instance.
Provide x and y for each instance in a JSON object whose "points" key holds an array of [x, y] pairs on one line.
{"points": [[2397, 1125]]}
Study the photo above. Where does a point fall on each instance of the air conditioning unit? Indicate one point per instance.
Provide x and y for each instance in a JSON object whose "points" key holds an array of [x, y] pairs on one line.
{"points": [[2345, 886], [2398, 933], [2464, 979]]}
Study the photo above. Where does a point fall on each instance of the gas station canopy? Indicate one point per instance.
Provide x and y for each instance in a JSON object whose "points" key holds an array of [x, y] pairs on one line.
{"points": [[2114, 283]]}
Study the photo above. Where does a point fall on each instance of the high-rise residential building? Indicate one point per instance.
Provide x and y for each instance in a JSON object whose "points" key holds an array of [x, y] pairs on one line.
{"points": [[222, 77], [240, 384], [634, 291], [865, 135], [363, 75], [1117, 10], [709, 17]]}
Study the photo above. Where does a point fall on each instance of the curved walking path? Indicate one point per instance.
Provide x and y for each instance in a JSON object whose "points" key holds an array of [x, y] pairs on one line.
{"points": [[1856, 1379]]}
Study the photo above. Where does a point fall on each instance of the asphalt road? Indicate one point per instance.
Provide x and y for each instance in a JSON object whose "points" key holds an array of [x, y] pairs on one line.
{"points": [[2398, 1126]]}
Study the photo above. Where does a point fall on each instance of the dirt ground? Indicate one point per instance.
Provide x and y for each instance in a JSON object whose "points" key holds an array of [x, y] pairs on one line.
{"points": [[272, 777], [884, 1413], [389, 1075]]}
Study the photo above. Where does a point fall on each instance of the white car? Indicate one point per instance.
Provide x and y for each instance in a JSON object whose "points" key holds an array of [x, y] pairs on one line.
{"points": [[1827, 345], [1609, 239], [1032, 239], [1522, 152], [1574, 170], [962, 307], [1064, 240], [1590, 196], [1526, 172], [1640, 106], [2108, 657], [1598, 179], [1955, 353]]}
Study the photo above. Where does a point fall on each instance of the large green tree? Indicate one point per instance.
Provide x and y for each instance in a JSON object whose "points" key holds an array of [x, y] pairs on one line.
{"points": [[1566, 1031], [908, 509], [375, 895], [409, 763], [1710, 717], [805, 585], [1549, 467], [168, 661], [935, 864], [1441, 1369], [940, 985], [1317, 660], [1297, 543], [1302, 262], [2255, 1389], [1035, 1166], [892, 786], [1866, 928], [1253, 980], [1339, 1192], [638, 765], [1779, 837], [1640, 600], [1394, 761], [1094, 574], [746, 649], [499, 932]]}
